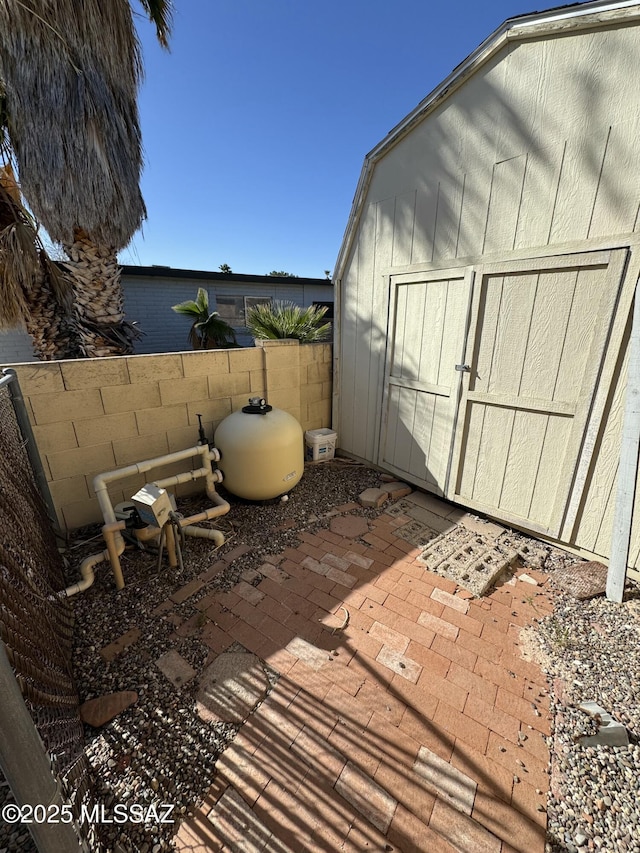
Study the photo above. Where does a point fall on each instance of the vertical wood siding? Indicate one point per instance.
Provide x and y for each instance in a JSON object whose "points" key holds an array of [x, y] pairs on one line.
{"points": [[536, 150]]}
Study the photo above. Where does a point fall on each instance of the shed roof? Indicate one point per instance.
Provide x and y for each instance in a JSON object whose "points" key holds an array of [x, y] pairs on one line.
{"points": [[554, 21]]}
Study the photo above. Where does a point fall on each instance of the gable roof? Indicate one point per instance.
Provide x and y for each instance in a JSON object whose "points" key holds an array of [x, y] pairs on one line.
{"points": [[558, 20]]}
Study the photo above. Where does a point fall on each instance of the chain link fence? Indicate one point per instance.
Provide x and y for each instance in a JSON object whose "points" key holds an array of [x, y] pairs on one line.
{"points": [[36, 626]]}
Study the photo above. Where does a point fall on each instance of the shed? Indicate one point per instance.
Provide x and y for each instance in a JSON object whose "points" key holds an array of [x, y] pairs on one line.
{"points": [[486, 278]]}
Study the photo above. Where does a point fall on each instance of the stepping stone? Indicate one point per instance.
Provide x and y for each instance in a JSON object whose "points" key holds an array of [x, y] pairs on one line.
{"points": [[471, 560], [175, 668], [610, 732], [97, 712], [397, 490], [582, 580], [231, 688], [350, 526], [373, 497]]}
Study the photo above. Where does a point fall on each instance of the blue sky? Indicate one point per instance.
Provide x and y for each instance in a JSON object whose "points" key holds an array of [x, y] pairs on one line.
{"points": [[256, 124]]}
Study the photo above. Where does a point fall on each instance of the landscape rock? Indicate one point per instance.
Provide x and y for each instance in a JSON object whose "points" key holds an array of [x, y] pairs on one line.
{"points": [[350, 526], [97, 712], [373, 497], [397, 490]]}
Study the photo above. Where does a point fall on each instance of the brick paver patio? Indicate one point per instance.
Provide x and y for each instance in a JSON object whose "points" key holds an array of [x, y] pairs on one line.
{"points": [[417, 726]]}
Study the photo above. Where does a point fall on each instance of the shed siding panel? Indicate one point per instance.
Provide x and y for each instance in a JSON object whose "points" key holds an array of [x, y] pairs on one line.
{"points": [[347, 349], [537, 203], [362, 342], [537, 149], [616, 205], [379, 302], [504, 205], [448, 211], [541, 130], [403, 223], [425, 224]]}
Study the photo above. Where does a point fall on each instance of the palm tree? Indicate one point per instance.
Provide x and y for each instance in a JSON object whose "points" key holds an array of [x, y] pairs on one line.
{"points": [[209, 330], [33, 290], [273, 321], [69, 74]]}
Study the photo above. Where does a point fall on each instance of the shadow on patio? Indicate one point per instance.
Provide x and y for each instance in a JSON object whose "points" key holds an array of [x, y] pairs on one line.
{"points": [[416, 726]]}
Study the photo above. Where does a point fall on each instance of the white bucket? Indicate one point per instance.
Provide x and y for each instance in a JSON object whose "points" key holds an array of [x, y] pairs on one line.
{"points": [[320, 444]]}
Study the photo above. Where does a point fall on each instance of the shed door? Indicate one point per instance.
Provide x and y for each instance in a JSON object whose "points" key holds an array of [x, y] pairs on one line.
{"points": [[428, 316], [539, 331]]}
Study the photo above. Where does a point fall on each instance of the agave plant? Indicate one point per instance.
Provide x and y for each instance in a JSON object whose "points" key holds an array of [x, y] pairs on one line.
{"points": [[209, 330], [274, 320]]}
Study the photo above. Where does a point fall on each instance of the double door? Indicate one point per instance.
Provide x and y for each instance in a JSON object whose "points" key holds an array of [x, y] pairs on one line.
{"points": [[490, 381]]}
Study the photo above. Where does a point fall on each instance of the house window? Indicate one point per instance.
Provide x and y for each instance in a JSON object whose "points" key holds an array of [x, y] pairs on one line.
{"points": [[234, 309]]}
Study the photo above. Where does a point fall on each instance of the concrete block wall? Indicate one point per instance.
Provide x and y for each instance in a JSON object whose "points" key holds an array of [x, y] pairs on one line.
{"points": [[96, 415]]}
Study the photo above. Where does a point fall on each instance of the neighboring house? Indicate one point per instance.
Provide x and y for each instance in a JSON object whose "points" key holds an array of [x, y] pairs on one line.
{"points": [[485, 281], [149, 293]]}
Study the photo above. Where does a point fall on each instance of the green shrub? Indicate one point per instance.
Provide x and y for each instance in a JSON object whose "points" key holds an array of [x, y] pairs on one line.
{"points": [[277, 320], [209, 330]]}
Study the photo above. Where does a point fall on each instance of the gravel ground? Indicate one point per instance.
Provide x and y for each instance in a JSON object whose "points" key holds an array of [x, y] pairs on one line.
{"points": [[591, 651], [159, 751]]}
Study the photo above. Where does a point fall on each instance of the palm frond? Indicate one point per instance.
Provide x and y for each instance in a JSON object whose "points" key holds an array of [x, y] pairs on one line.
{"points": [[216, 332], [18, 262], [208, 329], [160, 13], [70, 99], [277, 320]]}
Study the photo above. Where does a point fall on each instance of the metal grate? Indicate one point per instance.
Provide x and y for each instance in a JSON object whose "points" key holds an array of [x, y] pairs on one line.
{"points": [[35, 623]]}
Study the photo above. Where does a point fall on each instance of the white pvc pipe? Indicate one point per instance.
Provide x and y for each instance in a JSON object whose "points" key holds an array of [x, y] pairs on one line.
{"points": [[88, 574], [101, 481], [216, 536], [112, 527], [112, 552]]}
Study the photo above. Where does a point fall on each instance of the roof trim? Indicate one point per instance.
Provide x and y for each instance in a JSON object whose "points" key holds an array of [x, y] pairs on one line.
{"points": [[533, 25], [156, 271]]}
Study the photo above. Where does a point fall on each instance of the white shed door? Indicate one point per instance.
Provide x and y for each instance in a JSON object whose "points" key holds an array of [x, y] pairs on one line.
{"points": [[428, 317], [538, 334]]}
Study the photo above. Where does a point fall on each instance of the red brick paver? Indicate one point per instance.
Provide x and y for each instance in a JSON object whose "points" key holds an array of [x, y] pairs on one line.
{"points": [[350, 750]]}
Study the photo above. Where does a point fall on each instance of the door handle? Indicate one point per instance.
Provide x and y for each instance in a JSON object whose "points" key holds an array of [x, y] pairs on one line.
{"points": [[463, 368]]}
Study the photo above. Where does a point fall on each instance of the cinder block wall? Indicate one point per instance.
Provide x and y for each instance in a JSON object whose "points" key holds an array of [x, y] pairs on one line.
{"points": [[96, 415]]}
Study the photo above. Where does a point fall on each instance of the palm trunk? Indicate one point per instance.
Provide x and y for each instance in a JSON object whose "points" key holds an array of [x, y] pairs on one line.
{"points": [[98, 302], [46, 321]]}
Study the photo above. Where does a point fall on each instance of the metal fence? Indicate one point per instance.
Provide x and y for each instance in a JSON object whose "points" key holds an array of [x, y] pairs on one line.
{"points": [[35, 622]]}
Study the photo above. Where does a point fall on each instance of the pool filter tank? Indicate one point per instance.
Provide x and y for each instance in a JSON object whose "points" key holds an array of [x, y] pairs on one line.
{"points": [[261, 451]]}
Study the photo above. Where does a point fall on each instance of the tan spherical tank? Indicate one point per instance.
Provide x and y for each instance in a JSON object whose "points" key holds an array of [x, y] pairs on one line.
{"points": [[261, 451]]}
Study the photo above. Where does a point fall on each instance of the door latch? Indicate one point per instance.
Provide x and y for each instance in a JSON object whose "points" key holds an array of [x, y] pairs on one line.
{"points": [[463, 368]]}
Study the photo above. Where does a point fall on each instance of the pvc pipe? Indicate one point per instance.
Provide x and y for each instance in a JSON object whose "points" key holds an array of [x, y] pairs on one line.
{"points": [[87, 572], [205, 533], [170, 541], [30, 779], [111, 553], [101, 481], [186, 477], [112, 527]]}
